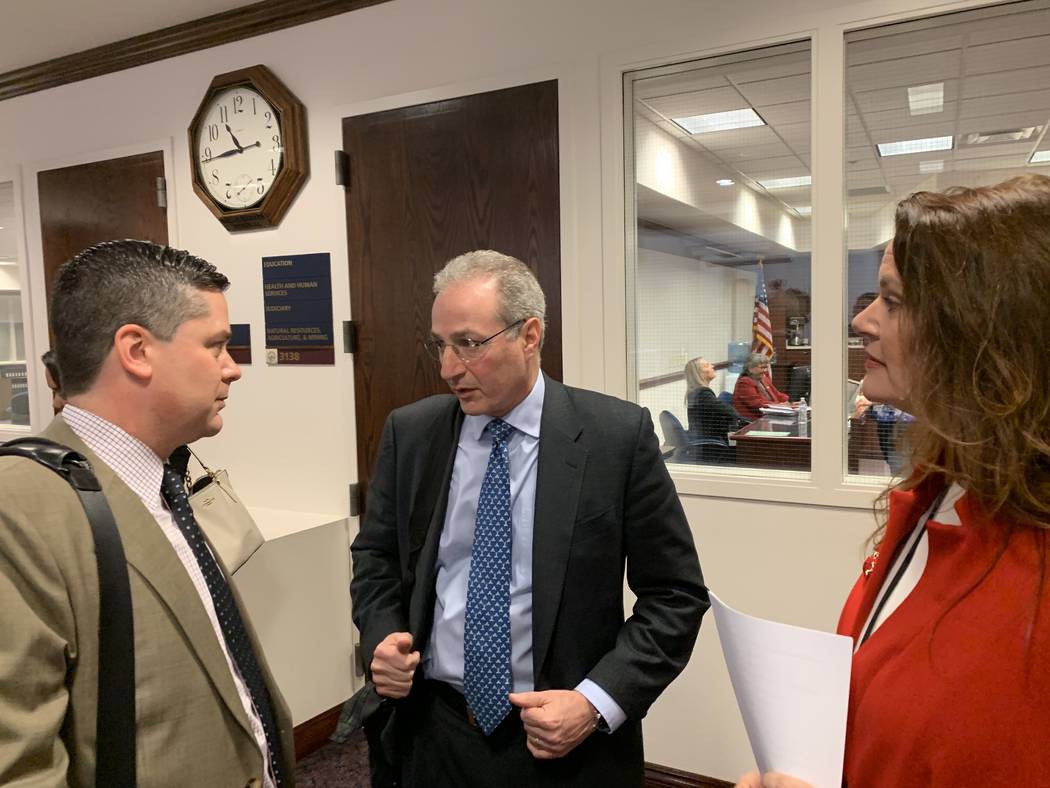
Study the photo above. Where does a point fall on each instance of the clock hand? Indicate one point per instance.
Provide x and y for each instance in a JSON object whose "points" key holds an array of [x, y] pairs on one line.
{"points": [[239, 148], [223, 155], [231, 152]]}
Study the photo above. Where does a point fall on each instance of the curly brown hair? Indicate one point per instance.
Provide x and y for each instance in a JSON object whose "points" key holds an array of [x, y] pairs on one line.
{"points": [[975, 266]]}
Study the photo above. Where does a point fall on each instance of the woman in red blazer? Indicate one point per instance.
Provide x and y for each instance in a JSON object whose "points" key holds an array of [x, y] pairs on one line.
{"points": [[754, 388], [951, 615]]}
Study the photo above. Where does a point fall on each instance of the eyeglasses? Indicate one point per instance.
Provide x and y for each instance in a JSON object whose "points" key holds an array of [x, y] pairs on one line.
{"points": [[467, 350]]}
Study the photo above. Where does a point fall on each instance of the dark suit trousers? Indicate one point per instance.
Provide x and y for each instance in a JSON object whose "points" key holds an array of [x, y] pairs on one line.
{"points": [[442, 749]]}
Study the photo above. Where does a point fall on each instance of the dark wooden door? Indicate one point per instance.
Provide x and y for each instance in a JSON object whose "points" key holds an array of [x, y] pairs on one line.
{"points": [[99, 201], [430, 182]]}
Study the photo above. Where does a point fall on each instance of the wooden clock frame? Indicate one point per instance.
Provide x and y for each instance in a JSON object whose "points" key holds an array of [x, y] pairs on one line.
{"points": [[295, 166]]}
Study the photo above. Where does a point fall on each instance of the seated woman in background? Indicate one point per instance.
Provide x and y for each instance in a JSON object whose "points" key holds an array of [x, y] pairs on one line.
{"points": [[708, 417], [951, 616], [755, 389]]}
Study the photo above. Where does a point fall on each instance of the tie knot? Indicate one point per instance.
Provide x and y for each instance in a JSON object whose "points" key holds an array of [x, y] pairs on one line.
{"points": [[171, 483], [499, 430]]}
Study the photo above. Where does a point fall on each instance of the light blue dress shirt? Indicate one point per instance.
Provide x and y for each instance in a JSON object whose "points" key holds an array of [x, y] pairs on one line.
{"points": [[443, 658]]}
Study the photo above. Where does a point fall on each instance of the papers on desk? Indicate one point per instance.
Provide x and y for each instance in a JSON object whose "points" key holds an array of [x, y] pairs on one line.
{"points": [[767, 434], [777, 410], [792, 687]]}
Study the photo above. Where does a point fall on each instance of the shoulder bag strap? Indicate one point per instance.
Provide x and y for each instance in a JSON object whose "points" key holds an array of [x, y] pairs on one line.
{"points": [[115, 727]]}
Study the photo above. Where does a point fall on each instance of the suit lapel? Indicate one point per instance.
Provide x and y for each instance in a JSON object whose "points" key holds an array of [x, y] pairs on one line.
{"points": [[559, 476], [427, 519], [148, 550]]}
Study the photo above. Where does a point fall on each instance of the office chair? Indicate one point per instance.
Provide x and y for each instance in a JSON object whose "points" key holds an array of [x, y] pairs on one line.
{"points": [[691, 450]]}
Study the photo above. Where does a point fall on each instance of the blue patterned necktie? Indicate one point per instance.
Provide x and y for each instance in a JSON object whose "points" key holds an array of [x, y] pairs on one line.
{"points": [[226, 610], [486, 628]]}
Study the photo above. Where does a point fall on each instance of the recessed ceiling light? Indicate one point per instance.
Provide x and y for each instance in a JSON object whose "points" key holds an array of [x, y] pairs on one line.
{"points": [[720, 121], [926, 167], [1039, 157], [786, 183], [924, 145], [803, 210], [926, 99], [725, 181], [1000, 136]]}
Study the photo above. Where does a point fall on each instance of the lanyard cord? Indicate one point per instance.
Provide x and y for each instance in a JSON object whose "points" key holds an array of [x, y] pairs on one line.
{"points": [[916, 537]]}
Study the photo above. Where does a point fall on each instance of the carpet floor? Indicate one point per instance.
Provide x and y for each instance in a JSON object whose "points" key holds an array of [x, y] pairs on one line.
{"points": [[335, 765]]}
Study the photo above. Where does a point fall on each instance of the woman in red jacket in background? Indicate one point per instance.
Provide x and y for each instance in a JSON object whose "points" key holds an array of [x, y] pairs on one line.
{"points": [[754, 388], [951, 615]]}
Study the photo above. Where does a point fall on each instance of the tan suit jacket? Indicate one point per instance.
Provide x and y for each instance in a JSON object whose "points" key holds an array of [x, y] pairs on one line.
{"points": [[191, 727]]}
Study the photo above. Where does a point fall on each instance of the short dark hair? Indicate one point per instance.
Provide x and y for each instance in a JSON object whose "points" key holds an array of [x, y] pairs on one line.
{"points": [[115, 283]]}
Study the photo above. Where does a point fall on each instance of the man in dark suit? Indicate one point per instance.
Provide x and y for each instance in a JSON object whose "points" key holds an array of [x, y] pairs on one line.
{"points": [[488, 573]]}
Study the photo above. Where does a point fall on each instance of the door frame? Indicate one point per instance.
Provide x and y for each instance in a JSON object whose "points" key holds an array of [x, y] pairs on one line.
{"points": [[33, 289], [571, 87]]}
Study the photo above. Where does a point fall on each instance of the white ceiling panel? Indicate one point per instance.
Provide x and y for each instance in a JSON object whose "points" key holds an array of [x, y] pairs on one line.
{"points": [[798, 136], [782, 114], [941, 129], [991, 106], [698, 102], [764, 174], [1008, 55], [670, 84], [917, 70], [778, 166], [1014, 163], [893, 47], [1004, 82], [747, 153], [897, 97], [910, 126], [778, 91], [737, 138], [760, 68], [1010, 27]]}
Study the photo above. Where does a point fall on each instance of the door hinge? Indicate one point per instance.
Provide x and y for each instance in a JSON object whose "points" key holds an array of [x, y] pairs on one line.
{"points": [[342, 169], [162, 192], [349, 336], [355, 499]]}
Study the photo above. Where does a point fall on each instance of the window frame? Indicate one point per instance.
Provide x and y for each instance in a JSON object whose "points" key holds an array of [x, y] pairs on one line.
{"points": [[34, 376], [827, 483]]}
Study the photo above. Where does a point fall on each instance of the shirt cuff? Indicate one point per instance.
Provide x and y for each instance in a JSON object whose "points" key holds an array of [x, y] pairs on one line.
{"points": [[609, 709]]}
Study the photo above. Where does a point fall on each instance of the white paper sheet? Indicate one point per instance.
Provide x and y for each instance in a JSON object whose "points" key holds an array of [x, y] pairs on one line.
{"points": [[792, 687]]}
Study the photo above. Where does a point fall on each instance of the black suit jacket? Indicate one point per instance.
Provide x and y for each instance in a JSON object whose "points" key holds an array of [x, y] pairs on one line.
{"points": [[709, 417], [604, 503]]}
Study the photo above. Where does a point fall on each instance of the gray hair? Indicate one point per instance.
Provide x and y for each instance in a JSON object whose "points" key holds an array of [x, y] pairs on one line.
{"points": [[117, 283], [520, 294], [753, 360]]}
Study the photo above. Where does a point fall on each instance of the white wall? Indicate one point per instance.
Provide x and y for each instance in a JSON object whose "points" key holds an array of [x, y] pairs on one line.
{"points": [[290, 433]]}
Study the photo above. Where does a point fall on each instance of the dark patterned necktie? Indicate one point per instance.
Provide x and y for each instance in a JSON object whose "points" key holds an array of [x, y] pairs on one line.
{"points": [[486, 626], [226, 610]]}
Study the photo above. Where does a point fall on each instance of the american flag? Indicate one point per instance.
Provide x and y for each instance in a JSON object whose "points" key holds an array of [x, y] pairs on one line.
{"points": [[761, 325]]}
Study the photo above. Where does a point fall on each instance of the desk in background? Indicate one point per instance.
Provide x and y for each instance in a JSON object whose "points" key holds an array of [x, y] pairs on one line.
{"points": [[785, 452]]}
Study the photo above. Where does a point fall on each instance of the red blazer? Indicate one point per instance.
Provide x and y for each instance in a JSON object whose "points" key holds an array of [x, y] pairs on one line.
{"points": [[748, 397], [952, 695]]}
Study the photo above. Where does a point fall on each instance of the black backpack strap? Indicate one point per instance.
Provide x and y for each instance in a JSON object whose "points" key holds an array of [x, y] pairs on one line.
{"points": [[115, 729]]}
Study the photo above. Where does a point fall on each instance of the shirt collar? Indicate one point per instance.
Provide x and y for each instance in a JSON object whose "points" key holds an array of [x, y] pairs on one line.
{"points": [[525, 417], [134, 463]]}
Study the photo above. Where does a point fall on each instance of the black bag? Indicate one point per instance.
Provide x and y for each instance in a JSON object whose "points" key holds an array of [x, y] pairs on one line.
{"points": [[115, 726]]}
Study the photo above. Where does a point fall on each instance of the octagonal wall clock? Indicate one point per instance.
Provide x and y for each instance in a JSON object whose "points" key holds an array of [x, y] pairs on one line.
{"points": [[248, 148]]}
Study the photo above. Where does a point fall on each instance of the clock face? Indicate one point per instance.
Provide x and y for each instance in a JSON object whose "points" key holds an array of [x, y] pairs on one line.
{"points": [[239, 147]]}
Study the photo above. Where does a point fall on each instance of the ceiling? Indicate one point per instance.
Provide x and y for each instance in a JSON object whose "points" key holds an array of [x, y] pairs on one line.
{"points": [[993, 64], [37, 30]]}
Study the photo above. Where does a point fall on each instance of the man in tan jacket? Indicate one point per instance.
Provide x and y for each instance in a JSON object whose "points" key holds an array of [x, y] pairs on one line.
{"points": [[140, 336]]}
